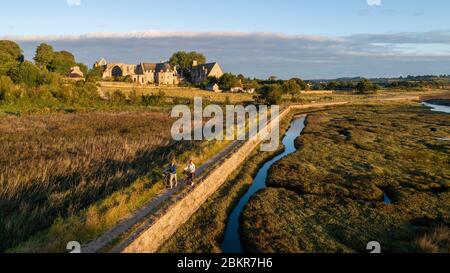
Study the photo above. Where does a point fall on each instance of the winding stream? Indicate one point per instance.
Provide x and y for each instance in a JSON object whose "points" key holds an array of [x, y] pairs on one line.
{"points": [[438, 108], [232, 242]]}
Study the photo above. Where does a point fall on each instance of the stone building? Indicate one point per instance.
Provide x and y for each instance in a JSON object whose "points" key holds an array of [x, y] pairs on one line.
{"points": [[76, 73], [200, 73], [143, 73], [101, 62]]}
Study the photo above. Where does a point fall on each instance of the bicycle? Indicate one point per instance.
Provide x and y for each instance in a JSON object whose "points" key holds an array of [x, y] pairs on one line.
{"points": [[189, 178]]}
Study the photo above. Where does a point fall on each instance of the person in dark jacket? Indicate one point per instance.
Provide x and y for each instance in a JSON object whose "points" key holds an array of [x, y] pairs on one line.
{"points": [[172, 171]]}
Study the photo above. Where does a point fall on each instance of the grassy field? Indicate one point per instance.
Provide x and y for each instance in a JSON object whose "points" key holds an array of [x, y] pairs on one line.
{"points": [[176, 95], [70, 177], [328, 196], [189, 93], [176, 92]]}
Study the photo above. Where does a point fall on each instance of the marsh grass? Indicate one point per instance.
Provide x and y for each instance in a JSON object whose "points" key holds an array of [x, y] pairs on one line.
{"points": [[70, 177], [328, 196], [436, 241], [52, 166]]}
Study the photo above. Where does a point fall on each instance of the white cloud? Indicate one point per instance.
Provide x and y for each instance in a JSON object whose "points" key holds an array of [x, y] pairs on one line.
{"points": [[73, 2], [374, 2], [163, 34], [264, 54]]}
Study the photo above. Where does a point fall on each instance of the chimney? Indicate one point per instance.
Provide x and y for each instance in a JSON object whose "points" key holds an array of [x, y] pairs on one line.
{"points": [[194, 63]]}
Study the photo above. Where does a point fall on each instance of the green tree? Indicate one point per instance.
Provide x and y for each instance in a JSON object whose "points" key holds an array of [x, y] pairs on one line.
{"points": [[251, 84], [62, 62], [183, 60], [10, 56], [291, 87], [228, 81], [26, 73], [366, 87], [95, 74], [301, 83], [270, 94], [44, 55], [83, 68]]}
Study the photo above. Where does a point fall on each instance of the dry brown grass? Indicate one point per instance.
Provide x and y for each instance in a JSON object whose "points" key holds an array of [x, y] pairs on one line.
{"points": [[437, 241], [54, 165]]}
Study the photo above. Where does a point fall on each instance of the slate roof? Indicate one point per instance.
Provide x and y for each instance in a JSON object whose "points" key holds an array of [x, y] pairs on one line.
{"points": [[158, 67], [208, 67]]}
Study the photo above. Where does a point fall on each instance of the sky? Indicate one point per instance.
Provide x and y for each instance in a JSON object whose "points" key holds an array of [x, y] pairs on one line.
{"points": [[310, 39]]}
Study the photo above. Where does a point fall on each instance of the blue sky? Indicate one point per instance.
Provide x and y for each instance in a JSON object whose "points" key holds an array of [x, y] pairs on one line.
{"points": [[320, 38]]}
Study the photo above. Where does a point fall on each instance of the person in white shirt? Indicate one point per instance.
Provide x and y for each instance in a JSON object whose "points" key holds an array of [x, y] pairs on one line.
{"points": [[190, 171]]}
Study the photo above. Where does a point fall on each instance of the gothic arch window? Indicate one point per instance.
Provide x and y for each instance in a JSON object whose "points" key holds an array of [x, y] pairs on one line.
{"points": [[117, 72]]}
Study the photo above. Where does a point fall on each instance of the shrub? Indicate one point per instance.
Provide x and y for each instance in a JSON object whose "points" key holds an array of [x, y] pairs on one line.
{"points": [[26, 73], [367, 87], [270, 94], [154, 99], [117, 98], [134, 98], [87, 90], [6, 85]]}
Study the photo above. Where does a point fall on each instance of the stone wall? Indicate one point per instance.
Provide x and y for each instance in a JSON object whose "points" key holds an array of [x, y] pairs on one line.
{"points": [[178, 213]]}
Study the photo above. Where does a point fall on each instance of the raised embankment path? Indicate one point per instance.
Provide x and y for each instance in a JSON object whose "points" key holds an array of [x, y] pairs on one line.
{"points": [[163, 227], [147, 229]]}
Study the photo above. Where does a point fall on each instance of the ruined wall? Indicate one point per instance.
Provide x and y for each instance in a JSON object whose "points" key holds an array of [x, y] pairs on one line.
{"points": [[178, 213], [125, 69]]}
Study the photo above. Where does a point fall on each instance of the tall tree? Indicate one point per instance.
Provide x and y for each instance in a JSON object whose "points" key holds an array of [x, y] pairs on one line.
{"points": [[228, 81], [251, 84], [62, 62], [184, 59], [291, 87], [83, 68], [95, 74], [270, 94], [300, 82], [44, 55], [367, 87], [10, 56]]}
